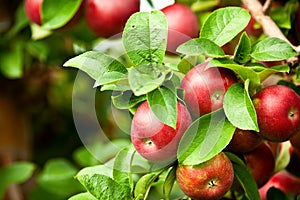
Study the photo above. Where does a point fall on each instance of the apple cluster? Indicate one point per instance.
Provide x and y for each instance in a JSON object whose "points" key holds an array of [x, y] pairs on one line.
{"points": [[278, 113]]}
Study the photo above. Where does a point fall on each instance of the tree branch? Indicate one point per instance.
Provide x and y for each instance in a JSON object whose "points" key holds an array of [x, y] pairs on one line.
{"points": [[269, 27]]}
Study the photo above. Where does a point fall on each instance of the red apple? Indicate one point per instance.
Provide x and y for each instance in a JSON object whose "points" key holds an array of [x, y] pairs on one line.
{"points": [[278, 112], [33, 9], [182, 25], [155, 140], [284, 181], [205, 88], [244, 141], [107, 18], [261, 163], [209, 180]]}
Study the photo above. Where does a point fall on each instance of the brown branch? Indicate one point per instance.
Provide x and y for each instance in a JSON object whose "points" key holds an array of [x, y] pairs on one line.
{"points": [[269, 27], [267, 5]]}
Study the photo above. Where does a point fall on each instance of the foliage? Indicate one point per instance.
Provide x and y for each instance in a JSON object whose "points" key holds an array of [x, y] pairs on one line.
{"points": [[146, 72]]}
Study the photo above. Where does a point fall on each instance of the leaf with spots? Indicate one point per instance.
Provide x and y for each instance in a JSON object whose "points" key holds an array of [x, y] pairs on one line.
{"points": [[145, 37]]}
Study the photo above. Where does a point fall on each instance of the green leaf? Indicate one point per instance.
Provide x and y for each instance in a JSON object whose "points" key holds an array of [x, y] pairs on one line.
{"points": [[187, 63], [121, 85], [122, 168], [16, 173], [200, 46], [103, 187], [205, 138], [245, 179], [11, 64], [265, 72], [145, 37], [169, 182], [144, 184], [163, 103], [239, 108], [90, 171], [126, 99], [243, 72], [223, 24], [283, 157], [243, 49], [99, 66], [58, 177], [83, 196], [272, 49], [145, 78], [56, 14]]}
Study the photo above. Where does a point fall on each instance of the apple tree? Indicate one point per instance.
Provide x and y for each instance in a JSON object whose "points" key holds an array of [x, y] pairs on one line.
{"points": [[206, 95]]}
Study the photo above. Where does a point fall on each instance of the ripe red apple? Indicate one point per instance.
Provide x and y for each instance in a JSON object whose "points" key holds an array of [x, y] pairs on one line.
{"points": [[154, 140], [209, 180], [182, 25], [284, 181], [205, 88], [33, 9], [261, 163], [107, 18], [278, 112], [244, 141]]}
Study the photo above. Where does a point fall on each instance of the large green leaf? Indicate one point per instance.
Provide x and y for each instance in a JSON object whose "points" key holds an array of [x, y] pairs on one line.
{"points": [[145, 37], [122, 168], [265, 72], [244, 177], [224, 24], [243, 72], [239, 108], [205, 138], [272, 49], [16, 173], [169, 182], [56, 14], [145, 78], [103, 187], [144, 184], [99, 66], [163, 103], [58, 177], [200, 46]]}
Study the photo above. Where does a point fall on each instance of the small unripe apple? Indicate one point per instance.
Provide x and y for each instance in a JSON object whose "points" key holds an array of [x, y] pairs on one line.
{"points": [[261, 163], [244, 141], [205, 88], [278, 112], [209, 180], [183, 25], [283, 181], [33, 9], [155, 140], [108, 17]]}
